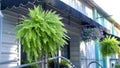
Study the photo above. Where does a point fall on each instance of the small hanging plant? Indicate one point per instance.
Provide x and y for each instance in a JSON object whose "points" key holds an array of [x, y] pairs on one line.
{"points": [[91, 34], [41, 31], [109, 46]]}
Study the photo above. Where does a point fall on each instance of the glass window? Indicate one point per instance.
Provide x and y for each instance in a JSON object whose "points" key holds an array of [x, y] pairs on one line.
{"points": [[100, 19], [109, 25], [89, 12], [116, 31], [76, 4]]}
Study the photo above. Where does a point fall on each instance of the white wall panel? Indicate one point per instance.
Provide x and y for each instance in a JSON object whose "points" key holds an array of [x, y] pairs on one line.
{"points": [[8, 45]]}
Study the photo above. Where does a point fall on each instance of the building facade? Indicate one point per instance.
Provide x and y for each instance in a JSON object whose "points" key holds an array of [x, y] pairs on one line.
{"points": [[77, 15]]}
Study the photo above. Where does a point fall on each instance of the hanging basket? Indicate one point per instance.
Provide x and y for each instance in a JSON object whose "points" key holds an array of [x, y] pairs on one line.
{"points": [[41, 31], [109, 46], [91, 34]]}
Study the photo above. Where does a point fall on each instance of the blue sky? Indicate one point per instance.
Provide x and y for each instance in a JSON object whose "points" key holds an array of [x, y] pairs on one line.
{"points": [[112, 7]]}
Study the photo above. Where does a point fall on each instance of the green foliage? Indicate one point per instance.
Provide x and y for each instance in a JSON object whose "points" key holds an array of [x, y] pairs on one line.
{"points": [[109, 46], [62, 63], [41, 31], [65, 63], [117, 65]]}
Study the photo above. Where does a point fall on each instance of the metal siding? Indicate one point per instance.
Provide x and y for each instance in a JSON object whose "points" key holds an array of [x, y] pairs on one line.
{"points": [[8, 44], [74, 34], [0, 33], [75, 50]]}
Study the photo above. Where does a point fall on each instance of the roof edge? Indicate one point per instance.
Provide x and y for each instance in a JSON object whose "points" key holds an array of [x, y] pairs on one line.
{"points": [[100, 10], [104, 13]]}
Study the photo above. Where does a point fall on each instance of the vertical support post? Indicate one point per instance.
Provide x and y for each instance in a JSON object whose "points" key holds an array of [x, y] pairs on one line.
{"points": [[57, 65], [0, 28], [19, 59], [19, 56], [45, 63], [97, 52], [95, 15], [86, 54], [97, 47], [112, 28], [44, 58], [0, 33]]}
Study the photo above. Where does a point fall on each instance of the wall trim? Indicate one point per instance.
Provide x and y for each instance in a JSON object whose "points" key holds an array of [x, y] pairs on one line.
{"points": [[0, 30]]}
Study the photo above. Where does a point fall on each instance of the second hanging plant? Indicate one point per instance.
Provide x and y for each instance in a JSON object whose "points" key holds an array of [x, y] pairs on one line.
{"points": [[109, 46], [91, 34]]}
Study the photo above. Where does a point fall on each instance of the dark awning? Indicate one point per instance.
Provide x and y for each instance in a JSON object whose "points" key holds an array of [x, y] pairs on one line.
{"points": [[105, 33], [59, 5], [108, 34], [10, 3]]}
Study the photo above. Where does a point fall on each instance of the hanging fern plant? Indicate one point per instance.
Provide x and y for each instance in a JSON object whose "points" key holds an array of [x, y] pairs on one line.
{"points": [[41, 31], [109, 46]]}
